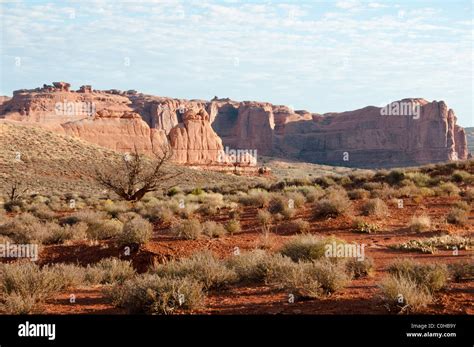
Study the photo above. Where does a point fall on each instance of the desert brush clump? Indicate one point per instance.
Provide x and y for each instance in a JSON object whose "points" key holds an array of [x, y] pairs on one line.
{"points": [[298, 226], [419, 179], [458, 216], [310, 193], [306, 247], [395, 177], [190, 229], [255, 197], [202, 266], [309, 279], [358, 194], [136, 231], [375, 207], [213, 229], [404, 294], [420, 224], [277, 204], [433, 277], [250, 266], [410, 286], [295, 199], [233, 226], [264, 218], [109, 271], [153, 294], [461, 176], [87, 216], [468, 194], [25, 228], [104, 229], [447, 189], [23, 286], [334, 204], [358, 268]]}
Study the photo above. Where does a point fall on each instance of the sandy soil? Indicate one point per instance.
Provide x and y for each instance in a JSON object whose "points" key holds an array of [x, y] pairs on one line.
{"points": [[362, 296]]}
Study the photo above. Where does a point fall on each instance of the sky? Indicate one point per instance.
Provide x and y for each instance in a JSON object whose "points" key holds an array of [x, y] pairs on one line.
{"points": [[321, 56]]}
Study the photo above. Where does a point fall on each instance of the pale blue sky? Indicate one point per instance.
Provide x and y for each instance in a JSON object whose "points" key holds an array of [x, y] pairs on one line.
{"points": [[321, 56]]}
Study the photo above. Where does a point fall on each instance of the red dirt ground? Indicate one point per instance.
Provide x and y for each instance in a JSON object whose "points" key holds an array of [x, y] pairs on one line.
{"points": [[362, 296]]}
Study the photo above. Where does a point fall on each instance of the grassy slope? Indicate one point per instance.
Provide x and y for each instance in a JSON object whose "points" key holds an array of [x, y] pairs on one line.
{"points": [[58, 164]]}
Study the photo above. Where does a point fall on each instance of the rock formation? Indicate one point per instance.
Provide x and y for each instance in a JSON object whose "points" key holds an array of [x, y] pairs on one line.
{"points": [[120, 120], [198, 130], [194, 141], [361, 138]]}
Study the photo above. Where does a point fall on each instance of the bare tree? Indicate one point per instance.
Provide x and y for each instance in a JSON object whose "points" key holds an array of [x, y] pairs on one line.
{"points": [[135, 175], [17, 189]]}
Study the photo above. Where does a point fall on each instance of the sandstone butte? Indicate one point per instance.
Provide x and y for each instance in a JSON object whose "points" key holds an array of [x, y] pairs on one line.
{"points": [[199, 130]]}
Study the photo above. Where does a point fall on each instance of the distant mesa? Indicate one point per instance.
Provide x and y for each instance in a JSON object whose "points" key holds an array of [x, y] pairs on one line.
{"points": [[198, 130]]}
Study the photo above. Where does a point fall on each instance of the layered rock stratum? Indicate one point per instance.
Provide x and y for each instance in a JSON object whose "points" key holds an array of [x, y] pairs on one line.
{"points": [[199, 131]]}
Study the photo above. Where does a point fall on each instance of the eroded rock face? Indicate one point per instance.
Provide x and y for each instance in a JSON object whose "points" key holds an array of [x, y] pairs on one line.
{"points": [[194, 141], [363, 138], [198, 130], [120, 120]]}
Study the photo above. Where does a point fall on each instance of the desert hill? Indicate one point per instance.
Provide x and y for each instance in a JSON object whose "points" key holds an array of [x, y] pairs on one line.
{"points": [[51, 162]]}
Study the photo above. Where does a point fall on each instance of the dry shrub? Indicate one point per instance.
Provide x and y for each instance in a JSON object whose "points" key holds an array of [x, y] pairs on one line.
{"points": [[213, 229], [311, 193], [297, 198], [104, 229], [358, 194], [360, 268], [108, 271], [25, 285], [190, 229], [468, 194], [375, 207], [299, 226], [233, 226], [89, 216], [420, 224], [447, 189], [264, 218], [457, 216], [405, 293], [136, 231], [156, 295], [433, 277], [430, 245], [277, 204], [250, 266], [255, 197], [310, 280], [307, 247], [461, 176], [336, 203], [419, 179], [203, 267], [26, 228]]}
